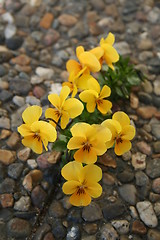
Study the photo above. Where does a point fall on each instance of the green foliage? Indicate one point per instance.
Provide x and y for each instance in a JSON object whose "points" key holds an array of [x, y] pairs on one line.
{"points": [[121, 80]]}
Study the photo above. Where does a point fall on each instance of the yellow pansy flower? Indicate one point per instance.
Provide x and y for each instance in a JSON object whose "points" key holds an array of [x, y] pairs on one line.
{"points": [[110, 54], [96, 97], [64, 108], [36, 133], [89, 142], [122, 132], [82, 182]]}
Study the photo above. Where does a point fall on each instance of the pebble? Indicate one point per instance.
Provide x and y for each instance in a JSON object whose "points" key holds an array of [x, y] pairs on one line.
{"points": [[147, 214], [146, 112], [90, 228], [4, 134], [156, 85], [5, 123], [14, 42], [128, 192], [7, 157], [139, 161], [113, 210], [108, 232], [153, 168], [56, 210], [18, 228], [35, 3], [6, 200], [45, 73], [7, 186], [16, 86], [153, 234], [31, 100], [10, 30], [13, 140], [32, 163], [38, 92], [46, 21], [18, 100], [5, 95], [121, 226], [138, 228], [134, 101], [23, 204], [141, 178], [32, 178], [156, 146], [156, 130], [15, 170], [92, 213], [74, 233], [41, 231], [67, 20], [156, 185], [49, 236], [144, 148], [24, 154], [21, 60], [38, 197], [122, 48], [108, 179], [157, 208], [58, 230], [42, 161]]}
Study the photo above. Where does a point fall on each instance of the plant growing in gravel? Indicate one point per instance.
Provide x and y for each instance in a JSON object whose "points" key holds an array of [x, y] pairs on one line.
{"points": [[86, 131]]}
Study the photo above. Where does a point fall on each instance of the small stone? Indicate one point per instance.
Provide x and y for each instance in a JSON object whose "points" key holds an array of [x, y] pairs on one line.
{"points": [[41, 231], [42, 161], [121, 226], [98, 5], [66, 203], [145, 44], [144, 148], [157, 208], [128, 192], [4, 134], [90, 228], [15, 170], [46, 21], [13, 140], [134, 101], [38, 92], [32, 163], [18, 100], [10, 30], [156, 185], [36, 79], [107, 161], [147, 213], [21, 60], [45, 73], [23, 204], [154, 197], [18, 228], [31, 100], [7, 157], [14, 43], [16, 86], [153, 234], [58, 230], [7, 186], [138, 228], [141, 178], [139, 161], [108, 179], [125, 176], [3, 71], [67, 20], [113, 210], [153, 168], [156, 85], [56, 210], [32, 178], [127, 156], [156, 146], [7, 17], [108, 232], [4, 84], [51, 37], [145, 98], [5, 95], [123, 48], [5, 123], [74, 233], [133, 212], [146, 112], [49, 236], [38, 197], [92, 212], [24, 154], [147, 86], [6, 200], [35, 3]]}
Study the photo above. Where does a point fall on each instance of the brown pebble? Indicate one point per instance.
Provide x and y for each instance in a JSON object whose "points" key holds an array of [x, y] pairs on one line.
{"points": [[67, 20], [46, 21], [4, 134], [138, 227], [21, 60], [13, 140], [107, 161], [7, 157], [6, 200], [146, 112], [49, 236], [156, 185]]}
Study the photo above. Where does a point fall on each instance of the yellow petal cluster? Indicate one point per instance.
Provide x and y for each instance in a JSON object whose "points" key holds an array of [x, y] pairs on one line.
{"points": [[36, 133], [64, 108], [82, 182], [122, 132], [90, 142]]}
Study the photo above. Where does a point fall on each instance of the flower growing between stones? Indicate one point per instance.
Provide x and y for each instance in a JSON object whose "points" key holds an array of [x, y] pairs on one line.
{"points": [[64, 108], [122, 132], [36, 133], [94, 97], [82, 182], [90, 142]]}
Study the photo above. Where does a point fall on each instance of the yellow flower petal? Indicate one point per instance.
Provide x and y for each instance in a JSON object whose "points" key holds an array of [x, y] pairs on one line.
{"points": [[72, 171], [99, 147], [55, 100], [128, 132], [64, 94], [80, 200], [52, 114], [94, 189], [25, 130], [70, 187], [79, 50], [110, 39], [64, 119], [104, 106], [88, 59], [33, 143], [73, 106], [80, 129], [92, 173], [105, 92], [87, 157], [93, 84], [122, 118], [89, 96], [98, 52], [103, 133], [110, 54], [31, 114], [75, 142], [82, 81], [73, 66], [122, 147], [113, 125]]}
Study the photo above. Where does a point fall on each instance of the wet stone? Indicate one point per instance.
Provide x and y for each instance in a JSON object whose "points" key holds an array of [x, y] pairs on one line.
{"points": [[92, 212], [56, 210], [23, 204], [153, 234], [126, 176], [108, 232], [147, 213], [128, 192], [138, 228], [18, 228], [58, 230], [41, 231], [156, 185], [49, 236], [121, 226], [7, 186], [15, 170], [153, 168], [90, 228], [141, 178], [74, 216], [6, 200], [111, 211], [74, 233], [38, 196]]}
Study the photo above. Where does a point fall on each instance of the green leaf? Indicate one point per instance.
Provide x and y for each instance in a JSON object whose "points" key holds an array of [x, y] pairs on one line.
{"points": [[133, 80], [60, 146]]}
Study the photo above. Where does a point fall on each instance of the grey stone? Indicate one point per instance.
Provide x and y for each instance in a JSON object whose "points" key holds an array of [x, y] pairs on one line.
{"points": [[14, 43], [74, 233], [156, 147], [141, 178], [16, 86], [5, 123], [23, 204], [153, 234], [38, 197], [3, 231], [7, 186], [107, 232], [18, 228], [92, 212], [123, 48], [153, 168], [3, 70], [128, 193], [58, 230], [122, 226], [41, 231], [156, 130], [15, 170], [56, 210], [113, 210]]}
